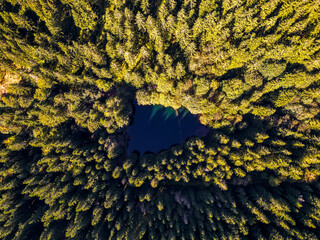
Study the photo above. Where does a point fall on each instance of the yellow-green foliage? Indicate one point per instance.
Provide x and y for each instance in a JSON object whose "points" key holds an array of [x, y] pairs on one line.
{"points": [[70, 72]]}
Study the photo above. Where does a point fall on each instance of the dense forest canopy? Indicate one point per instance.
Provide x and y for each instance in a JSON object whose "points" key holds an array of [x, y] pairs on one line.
{"points": [[70, 71]]}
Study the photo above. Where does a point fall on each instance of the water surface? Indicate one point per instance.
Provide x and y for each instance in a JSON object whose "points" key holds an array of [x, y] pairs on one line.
{"points": [[156, 128]]}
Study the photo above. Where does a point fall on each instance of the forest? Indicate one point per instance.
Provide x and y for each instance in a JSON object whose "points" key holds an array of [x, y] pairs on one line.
{"points": [[70, 73]]}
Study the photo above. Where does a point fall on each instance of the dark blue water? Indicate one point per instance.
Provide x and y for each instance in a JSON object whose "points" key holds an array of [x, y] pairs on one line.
{"points": [[158, 130]]}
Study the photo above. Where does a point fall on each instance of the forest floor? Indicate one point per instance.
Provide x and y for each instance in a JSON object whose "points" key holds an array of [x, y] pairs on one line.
{"points": [[6, 79]]}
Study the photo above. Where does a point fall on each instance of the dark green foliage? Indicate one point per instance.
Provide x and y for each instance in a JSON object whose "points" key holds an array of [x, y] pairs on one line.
{"points": [[69, 73]]}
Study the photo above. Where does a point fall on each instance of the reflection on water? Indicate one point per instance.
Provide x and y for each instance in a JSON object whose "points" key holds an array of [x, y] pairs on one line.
{"points": [[156, 128], [168, 112]]}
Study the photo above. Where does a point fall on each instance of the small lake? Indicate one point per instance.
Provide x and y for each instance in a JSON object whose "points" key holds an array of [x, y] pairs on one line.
{"points": [[156, 128]]}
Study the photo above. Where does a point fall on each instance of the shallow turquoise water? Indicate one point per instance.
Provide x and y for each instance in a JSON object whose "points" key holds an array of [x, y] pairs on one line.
{"points": [[156, 128]]}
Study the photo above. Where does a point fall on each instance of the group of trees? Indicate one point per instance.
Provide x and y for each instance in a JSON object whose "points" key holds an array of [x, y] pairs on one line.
{"points": [[70, 71]]}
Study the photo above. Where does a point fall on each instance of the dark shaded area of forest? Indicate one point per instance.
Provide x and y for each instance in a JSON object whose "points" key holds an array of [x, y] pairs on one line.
{"points": [[70, 71]]}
